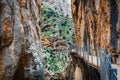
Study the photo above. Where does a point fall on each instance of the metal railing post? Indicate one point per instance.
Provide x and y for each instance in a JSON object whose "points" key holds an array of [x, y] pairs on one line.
{"points": [[102, 64], [80, 50], [108, 65], [83, 51], [92, 55], [97, 56], [88, 53], [113, 74]]}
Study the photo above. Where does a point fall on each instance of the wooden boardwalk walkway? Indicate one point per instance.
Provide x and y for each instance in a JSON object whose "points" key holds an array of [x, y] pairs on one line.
{"points": [[95, 61], [90, 59]]}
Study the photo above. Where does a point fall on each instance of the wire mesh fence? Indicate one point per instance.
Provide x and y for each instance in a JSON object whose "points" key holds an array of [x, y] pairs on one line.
{"points": [[101, 60], [106, 70]]}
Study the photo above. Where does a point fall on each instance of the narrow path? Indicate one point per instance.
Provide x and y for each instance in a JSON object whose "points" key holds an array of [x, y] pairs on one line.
{"points": [[94, 61], [91, 60], [88, 72]]}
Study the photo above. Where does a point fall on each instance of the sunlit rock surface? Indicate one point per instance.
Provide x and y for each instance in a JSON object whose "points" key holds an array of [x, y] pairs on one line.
{"points": [[97, 24], [20, 47], [62, 7]]}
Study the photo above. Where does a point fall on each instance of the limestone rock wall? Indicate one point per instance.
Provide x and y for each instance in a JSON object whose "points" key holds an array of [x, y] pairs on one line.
{"points": [[97, 23], [20, 47], [62, 7]]}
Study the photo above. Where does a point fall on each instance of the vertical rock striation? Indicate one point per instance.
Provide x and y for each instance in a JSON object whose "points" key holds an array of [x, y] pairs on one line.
{"points": [[20, 47], [97, 23]]}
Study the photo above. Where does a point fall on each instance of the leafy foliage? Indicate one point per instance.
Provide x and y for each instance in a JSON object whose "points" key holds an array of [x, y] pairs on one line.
{"points": [[61, 26], [61, 23], [53, 61]]}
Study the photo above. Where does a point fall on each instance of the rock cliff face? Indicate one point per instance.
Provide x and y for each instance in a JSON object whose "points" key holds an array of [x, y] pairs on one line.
{"points": [[20, 47], [97, 23], [62, 7]]}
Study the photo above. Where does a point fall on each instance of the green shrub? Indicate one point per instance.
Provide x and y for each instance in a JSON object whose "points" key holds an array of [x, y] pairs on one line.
{"points": [[53, 61]]}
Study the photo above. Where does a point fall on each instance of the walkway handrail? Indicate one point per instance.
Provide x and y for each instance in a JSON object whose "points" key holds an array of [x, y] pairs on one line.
{"points": [[86, 52], [103, 61], [106, 70]]}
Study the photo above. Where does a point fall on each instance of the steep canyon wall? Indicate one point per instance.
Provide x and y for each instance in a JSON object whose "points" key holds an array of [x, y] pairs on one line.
{"points": [[97, 23], [20, 47]]}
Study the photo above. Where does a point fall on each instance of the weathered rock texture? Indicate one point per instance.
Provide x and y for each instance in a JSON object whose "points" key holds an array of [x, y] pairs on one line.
{"points": [[97, 23], [20, 47], [62, 7]]}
